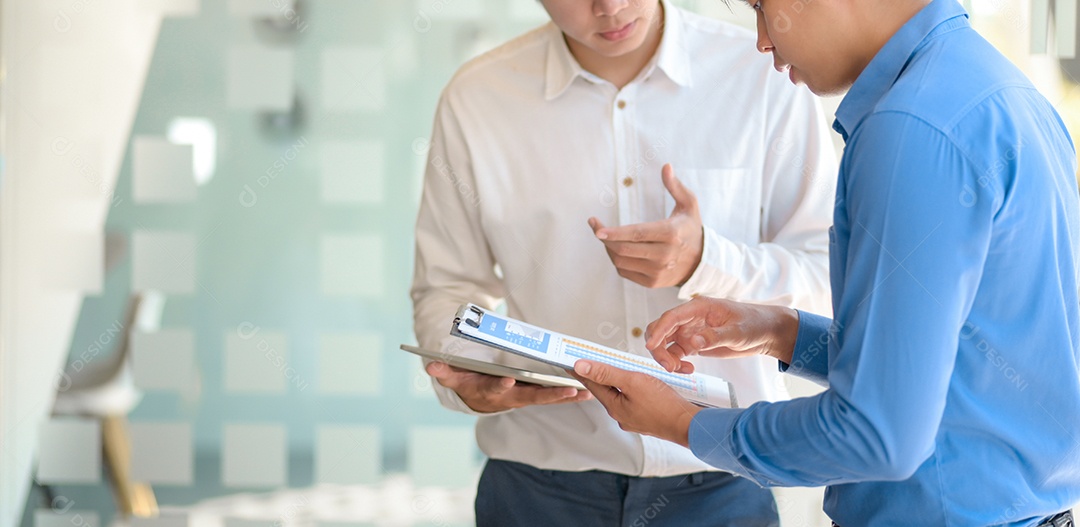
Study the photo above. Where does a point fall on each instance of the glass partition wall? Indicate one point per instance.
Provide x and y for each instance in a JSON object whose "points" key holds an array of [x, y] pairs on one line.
{"points": [[226, 236]]}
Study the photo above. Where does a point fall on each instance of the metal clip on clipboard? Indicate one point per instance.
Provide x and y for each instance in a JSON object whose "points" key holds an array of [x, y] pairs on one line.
{"points": [[467, 315]]}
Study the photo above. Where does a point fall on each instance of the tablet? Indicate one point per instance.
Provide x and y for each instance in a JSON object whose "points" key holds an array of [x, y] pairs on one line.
{"points": [[497, 370]]}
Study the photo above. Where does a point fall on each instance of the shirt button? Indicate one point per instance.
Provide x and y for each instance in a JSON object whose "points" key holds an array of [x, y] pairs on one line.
{"points": [[627, 181], [636, 332], [695, 295], [622, 104]]}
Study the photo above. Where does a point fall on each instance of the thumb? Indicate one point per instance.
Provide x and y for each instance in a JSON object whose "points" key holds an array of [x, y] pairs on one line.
{"points": [[601, 373], [437, 369], [684, 199], [597, 226]]}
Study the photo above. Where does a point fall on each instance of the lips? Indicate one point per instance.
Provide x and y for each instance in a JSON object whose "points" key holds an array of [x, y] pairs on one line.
{"points": [[620, 32]]}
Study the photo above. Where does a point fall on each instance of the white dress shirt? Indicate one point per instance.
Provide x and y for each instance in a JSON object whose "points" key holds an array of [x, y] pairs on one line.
{"points": [[527, 146]]}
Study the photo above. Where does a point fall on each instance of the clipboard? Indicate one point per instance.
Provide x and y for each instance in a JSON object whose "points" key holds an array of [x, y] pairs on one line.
{"points": [[497, 370], [477, 324]]}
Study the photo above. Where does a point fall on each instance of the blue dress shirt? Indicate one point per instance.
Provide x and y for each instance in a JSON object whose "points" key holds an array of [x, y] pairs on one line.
{"points": [[953, 393]]}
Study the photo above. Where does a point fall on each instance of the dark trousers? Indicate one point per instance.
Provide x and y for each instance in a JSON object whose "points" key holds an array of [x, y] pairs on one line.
{"points": [[516, 495]]}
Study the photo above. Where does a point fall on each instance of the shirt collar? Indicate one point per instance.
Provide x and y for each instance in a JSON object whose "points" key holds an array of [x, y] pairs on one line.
{"points": [[883, 70], [672, 56]]}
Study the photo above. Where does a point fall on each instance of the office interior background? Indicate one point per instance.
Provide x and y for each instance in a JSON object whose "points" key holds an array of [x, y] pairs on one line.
{"points": [[206, 248]]}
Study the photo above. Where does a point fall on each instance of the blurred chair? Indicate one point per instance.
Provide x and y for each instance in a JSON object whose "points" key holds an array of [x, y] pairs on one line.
{"points": [[105, 389]]}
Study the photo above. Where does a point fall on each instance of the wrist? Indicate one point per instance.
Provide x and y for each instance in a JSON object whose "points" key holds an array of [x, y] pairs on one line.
{"points": [[695, 258], [681, 433], [786, 331]]}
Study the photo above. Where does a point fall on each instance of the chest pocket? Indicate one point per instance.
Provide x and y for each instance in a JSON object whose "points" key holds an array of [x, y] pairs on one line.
{"points": [[728, 198]]}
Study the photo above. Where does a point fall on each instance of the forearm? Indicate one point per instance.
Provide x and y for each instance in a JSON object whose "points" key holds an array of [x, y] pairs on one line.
{"points": [[793, 273]]}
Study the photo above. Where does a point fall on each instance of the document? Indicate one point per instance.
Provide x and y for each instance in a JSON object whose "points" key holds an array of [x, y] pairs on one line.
{"points": [[492, 329]]}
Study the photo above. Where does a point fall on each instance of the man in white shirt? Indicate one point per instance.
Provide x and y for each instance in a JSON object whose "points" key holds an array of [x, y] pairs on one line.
{"points": [[544, 190]]}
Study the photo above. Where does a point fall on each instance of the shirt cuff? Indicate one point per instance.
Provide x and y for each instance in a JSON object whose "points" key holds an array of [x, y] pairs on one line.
{"points": [[710, 438], [717, 272], [810, 358]]}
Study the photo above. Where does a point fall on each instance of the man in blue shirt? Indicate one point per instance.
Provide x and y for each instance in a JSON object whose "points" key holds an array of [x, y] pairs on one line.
{"points": [[953, 392]]}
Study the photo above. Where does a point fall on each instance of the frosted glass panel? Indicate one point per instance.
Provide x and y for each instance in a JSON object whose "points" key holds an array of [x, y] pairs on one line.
{"points": [[260, 79], [70, 518], [348, 455], [164, 261], [163, 360], [256, 362], [419, 380], [237, 522], [352, 265], [457, 10], [353, 78], [352, 171], [167, 519], [528, 11], [253, 456], [163, 172], [350, 364], [70, 451], [260, 7], [162, 453], [442, 456]]}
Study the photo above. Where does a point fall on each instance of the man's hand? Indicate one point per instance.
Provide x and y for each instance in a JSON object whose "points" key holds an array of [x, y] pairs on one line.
{"points": [[661, 253], [716, 327], [487, 393], [639, 402]]}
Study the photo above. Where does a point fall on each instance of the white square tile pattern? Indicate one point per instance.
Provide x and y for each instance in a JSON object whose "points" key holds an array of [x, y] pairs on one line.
{"points": [[352, 172], [162, 172], [442, 456], [253, 455], [260, 79], [353, 79], [70, 451], [348, 455], [164, 261], [350, 363], [162, 453], [256, 361], [351, 265], [164, 359]]}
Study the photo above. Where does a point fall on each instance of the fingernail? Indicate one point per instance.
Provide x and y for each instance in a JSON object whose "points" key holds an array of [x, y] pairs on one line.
{"points": [[602, 235], [698, 341], [582, 368]]}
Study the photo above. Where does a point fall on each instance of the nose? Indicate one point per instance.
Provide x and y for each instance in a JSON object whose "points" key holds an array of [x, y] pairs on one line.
{"points": [[764, 43], [609, 7]]}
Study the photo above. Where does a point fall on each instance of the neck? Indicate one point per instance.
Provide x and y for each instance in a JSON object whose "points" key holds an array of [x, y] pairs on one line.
{"points": [[881, 21], [624, 68]]}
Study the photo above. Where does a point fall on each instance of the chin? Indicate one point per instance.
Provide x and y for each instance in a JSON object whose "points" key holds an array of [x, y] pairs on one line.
{"points": [[826, 90], [619, 49]]}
